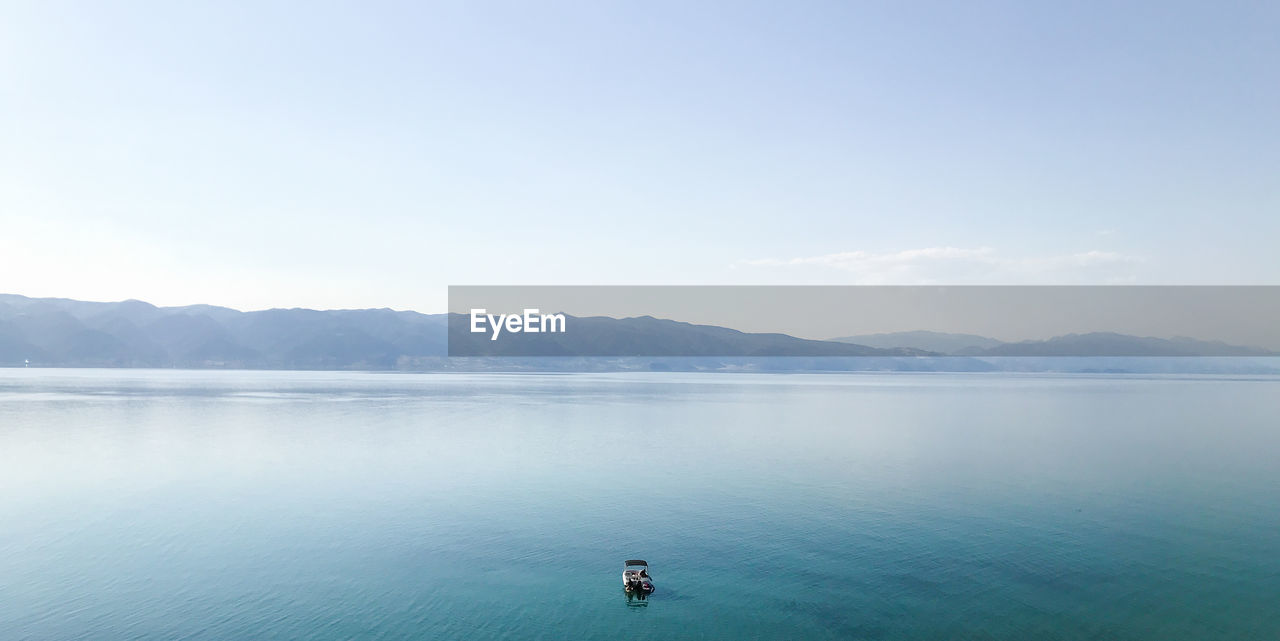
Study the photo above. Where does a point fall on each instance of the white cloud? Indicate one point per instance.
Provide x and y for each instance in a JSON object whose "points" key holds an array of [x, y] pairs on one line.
{"points": [[957, 265]]}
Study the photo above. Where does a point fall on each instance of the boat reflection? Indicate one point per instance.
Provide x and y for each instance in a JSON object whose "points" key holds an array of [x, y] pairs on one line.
{"points": [[637, 600]]}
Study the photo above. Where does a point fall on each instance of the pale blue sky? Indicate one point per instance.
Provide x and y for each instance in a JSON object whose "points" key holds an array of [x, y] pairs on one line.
{"points": [[362, 154]]}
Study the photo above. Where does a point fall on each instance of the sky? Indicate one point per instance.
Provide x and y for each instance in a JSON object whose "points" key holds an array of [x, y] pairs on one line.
{"points": [[344, 155]]}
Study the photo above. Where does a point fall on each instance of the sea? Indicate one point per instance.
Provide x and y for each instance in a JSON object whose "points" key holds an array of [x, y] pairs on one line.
{"points": [[259, 505]]}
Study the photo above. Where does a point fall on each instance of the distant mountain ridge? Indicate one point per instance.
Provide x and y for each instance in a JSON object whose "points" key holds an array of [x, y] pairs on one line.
{"points": [[1087, 344], [61, 332], [70, 333], [648, 336], [1112, 344], [940, 342]]}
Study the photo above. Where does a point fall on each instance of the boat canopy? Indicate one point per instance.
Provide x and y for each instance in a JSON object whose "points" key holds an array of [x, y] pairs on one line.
{"points": [[636, 562]]}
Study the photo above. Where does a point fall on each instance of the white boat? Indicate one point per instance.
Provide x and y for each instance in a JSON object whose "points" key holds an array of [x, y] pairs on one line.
{"points": [[635, 577]]}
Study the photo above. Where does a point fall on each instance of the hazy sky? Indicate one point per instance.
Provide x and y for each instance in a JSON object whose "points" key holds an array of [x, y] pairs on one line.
{"points": [[368, 155]]}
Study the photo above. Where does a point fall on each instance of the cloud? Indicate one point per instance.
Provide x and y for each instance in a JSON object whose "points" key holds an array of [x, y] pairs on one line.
{"points": [[957, 265]]}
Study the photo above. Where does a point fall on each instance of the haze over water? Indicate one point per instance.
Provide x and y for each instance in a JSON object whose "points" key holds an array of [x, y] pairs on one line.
{"points": [[322, 505]]}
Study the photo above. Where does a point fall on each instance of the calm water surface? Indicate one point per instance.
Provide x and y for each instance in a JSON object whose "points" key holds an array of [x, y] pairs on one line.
{"points": [[282, 505]]}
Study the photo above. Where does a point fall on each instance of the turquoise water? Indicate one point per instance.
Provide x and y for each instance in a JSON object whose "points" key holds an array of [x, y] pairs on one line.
{"points": [[285, 505]]}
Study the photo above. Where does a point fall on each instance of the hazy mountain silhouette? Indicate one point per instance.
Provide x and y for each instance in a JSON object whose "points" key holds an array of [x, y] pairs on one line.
{"points": [[649, 336], [1104, 344], [940, 342], [1112, 344], [71, 333]]}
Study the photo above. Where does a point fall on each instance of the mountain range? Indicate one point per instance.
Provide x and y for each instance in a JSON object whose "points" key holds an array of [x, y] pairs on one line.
{"points": [[71, 333], [62, 332], [1088, 344], [649, 336], [940, 342]]}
